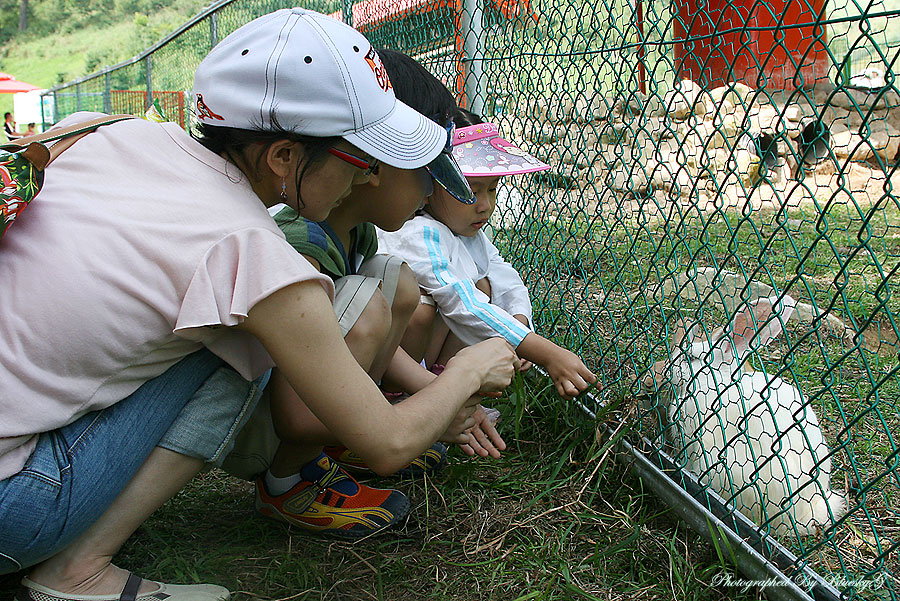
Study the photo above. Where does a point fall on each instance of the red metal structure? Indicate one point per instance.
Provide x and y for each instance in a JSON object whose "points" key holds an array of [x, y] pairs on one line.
{"points": [[776, 44]]}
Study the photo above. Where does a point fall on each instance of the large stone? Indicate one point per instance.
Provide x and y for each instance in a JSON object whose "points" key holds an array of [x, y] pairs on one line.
{"points": [[604, 108], [745, 166], [628, 180], [852, 99], [659, 128], [737, 94], [680, 102], [881, 140], [560, 109]]}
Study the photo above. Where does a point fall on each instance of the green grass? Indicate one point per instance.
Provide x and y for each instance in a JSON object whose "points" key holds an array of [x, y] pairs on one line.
{"points": [[548, 521]]}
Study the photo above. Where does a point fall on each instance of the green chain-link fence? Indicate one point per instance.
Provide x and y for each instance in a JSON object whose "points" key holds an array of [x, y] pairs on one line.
{"points": [[705, 154]]}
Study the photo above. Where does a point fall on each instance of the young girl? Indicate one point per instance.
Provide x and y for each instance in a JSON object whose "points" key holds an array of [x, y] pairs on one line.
{"points": [[469, 292]]}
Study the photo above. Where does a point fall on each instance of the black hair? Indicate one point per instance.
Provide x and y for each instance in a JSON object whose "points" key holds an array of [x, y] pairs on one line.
{"points": [[231, 142], [415, 85], [464, 118], [5, 115]]}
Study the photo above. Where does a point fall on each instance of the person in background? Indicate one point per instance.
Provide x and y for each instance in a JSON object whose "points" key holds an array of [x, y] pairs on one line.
{"points": [[9, 127], [175, 312], [469, 292], [31, 130]]}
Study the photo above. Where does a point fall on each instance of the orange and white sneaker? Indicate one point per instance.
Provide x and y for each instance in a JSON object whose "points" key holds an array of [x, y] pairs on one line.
{"points": [[332, 502]]}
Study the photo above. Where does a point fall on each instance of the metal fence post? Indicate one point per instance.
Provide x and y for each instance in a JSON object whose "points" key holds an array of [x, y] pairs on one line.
{"points": [[347, 10], [107, 95], [149, 74], [213, 30], [473, 34]]}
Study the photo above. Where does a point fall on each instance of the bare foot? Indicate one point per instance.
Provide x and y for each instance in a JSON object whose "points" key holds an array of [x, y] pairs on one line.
{"points": [[109, 580]]}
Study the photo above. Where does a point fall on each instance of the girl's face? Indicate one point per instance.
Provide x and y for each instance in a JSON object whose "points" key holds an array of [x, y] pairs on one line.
{"points": [[462, 219], [327, 183], [396, 198]]}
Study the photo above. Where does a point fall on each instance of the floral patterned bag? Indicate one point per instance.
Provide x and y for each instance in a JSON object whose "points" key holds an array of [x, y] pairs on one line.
{"points": [[22, 165]]}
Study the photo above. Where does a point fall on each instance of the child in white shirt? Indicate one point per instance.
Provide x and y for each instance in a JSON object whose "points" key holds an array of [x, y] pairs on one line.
{"points": [[462, 276]]}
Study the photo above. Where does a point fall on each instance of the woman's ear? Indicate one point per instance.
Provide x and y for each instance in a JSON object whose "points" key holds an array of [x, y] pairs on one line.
{"points": [[284, 156]]}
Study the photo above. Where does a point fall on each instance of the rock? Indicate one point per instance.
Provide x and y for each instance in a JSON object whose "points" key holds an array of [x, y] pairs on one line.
{"points": [[604, 108], [614, 132], [745, 165], [636, 101], [658, 128], [680, 102], [881, 140], [544, 134], [560, 109], [793, 113], [573, 134], [630, 181], [654, 107], [738, 94], [856, 99]]}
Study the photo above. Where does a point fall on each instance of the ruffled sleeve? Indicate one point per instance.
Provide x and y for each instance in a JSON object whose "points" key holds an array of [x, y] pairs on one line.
{"points": [[237, 272]]}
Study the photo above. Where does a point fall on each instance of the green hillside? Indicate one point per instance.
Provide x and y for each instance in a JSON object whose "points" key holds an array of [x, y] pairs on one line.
{"points": [[67, 39]]}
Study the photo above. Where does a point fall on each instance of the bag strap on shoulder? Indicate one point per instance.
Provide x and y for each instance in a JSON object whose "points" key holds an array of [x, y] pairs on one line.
{"points": [[38, 153]]}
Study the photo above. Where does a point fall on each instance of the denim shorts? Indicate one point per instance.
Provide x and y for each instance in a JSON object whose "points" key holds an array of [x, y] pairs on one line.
{"points": [[75, 472]]}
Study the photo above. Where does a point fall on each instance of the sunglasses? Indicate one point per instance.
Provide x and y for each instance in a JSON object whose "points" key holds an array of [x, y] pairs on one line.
{"points": [[367, 167]]}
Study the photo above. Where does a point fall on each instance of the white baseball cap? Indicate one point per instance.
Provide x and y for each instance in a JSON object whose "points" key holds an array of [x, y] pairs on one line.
{"points": [[312, 75]]}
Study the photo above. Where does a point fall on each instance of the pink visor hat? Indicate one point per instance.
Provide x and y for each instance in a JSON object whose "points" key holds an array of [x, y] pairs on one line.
{"points": [[480, 151]]}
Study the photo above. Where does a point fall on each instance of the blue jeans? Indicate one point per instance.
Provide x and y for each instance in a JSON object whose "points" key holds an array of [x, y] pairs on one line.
{"points": [[76, 472]]}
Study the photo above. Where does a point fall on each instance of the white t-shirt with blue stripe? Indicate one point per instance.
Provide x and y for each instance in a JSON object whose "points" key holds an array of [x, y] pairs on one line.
{"points": [[447, 267]]}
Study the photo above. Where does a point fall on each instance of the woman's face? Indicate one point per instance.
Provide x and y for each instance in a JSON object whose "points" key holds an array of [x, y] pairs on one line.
{"points": [[462, 219], [399, 194], [328, 182]]}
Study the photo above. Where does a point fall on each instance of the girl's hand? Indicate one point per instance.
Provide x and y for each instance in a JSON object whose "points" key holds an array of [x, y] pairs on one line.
{"points": [[569, 373]]}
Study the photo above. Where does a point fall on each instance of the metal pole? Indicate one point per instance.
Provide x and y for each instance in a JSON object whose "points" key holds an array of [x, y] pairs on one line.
{"points": [[213, 30], [78, 97], [473, 57], [348, 12], [107, 95], [147, 70]]}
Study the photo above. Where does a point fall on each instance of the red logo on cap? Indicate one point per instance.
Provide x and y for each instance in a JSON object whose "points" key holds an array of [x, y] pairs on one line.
{"points": [[205, 112], [378, 69]]}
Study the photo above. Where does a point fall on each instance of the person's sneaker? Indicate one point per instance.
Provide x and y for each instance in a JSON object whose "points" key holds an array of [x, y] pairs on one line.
{"points": [[331, 502], [428, 462]]}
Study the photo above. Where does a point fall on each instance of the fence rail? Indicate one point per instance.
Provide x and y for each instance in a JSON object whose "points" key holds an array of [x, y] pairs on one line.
{"points": [[705, 155]]}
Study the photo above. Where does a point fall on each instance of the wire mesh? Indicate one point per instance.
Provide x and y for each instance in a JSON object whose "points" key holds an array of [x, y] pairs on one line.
{"points": [[706, 155]]}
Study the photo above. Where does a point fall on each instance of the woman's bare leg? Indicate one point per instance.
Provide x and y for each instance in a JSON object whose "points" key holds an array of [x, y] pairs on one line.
{"points": [[85, 567]]}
